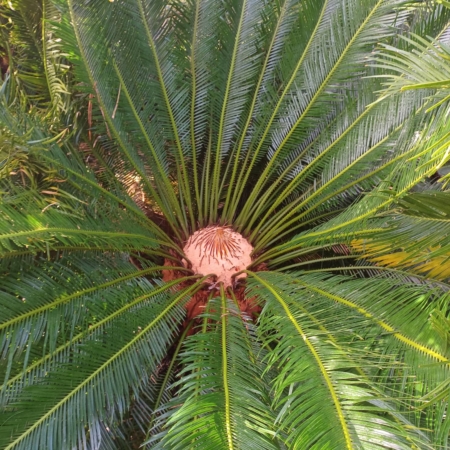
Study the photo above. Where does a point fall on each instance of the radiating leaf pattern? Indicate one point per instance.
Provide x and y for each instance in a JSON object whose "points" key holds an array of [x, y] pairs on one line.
{"points": [[315, 128]]}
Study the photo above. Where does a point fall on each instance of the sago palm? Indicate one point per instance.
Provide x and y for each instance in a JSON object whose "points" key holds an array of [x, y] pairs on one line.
{"points": [[209, 237]]}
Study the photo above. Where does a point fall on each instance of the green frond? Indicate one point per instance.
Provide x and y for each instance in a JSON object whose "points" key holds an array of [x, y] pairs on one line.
{"points": [[27, 227], [324, 68], [416, 236], [341, 169], [24, 28], [222, 401], [103, 368], [38, 70], [420, 159], [135, 123], [309, 316], [424, 65]]}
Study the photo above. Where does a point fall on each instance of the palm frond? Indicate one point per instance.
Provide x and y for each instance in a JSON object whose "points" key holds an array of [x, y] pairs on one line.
{"points": [[107, 366], [322, 67], [25, 41], [424, 65], [37, 67], [416, 236], [421, 158], [303, 321], [223, 403]]}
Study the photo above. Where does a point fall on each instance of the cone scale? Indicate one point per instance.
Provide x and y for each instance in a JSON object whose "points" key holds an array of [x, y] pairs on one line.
{"points": [[220, 251]]}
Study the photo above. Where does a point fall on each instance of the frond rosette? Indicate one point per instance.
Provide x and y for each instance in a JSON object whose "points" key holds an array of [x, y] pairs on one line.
{"points": [[220, 247]]}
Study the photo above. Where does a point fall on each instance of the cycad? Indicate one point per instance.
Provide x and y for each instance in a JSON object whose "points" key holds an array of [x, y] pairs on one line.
{"points": [[208, 130]]}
